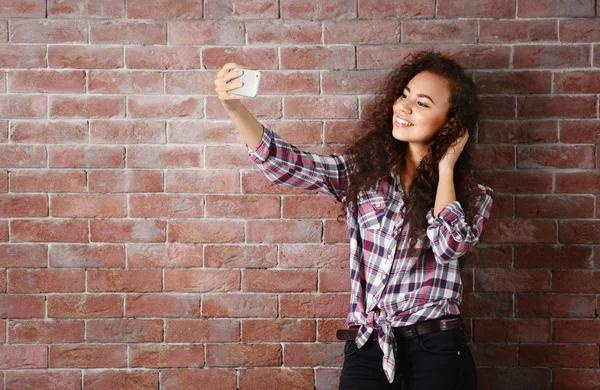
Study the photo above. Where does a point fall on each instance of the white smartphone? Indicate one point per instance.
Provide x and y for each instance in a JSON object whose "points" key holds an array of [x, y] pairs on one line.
{"points": [[251, 80]]}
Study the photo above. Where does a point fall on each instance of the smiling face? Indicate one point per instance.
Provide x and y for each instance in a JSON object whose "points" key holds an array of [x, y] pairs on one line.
{"points": [[422, 109]]}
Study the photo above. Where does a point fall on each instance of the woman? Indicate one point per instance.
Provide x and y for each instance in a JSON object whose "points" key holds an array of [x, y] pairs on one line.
{"points": [[412, 207]]}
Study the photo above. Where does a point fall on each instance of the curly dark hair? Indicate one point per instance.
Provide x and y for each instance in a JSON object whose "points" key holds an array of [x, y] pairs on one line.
{"points": [[377, 153]]}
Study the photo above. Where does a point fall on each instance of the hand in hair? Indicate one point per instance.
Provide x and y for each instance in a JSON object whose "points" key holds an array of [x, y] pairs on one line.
{"points": [[451, 156]]}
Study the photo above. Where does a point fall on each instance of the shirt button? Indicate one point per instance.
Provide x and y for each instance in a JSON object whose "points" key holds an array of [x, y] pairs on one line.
{"points": [[389, 256]]}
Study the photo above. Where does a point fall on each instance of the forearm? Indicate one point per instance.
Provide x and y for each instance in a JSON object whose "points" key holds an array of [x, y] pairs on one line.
{"points": [[446, 193], [245, 123]]}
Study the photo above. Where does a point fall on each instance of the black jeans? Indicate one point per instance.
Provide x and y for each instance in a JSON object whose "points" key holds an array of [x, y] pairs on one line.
{"points": [[438, 360]]}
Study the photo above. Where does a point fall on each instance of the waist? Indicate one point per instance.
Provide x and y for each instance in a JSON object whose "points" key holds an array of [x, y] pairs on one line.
{"points": [[429, 326]]}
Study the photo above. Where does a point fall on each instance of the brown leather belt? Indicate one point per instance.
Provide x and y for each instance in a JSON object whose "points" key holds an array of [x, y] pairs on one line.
{"points": [[437, 325]]}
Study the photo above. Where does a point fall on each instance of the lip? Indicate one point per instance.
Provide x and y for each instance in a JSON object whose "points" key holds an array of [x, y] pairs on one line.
{"points": [[404, 119]]}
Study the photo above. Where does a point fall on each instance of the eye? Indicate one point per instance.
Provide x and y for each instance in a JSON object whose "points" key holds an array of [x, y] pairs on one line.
{"points": [[422, 104]]}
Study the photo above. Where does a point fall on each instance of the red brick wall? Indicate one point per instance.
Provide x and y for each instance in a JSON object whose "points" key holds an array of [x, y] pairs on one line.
{"points": [[137, 240]]}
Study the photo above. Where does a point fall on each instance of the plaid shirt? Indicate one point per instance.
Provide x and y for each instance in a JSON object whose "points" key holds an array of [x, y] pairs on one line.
{"points": [[392, 284]]}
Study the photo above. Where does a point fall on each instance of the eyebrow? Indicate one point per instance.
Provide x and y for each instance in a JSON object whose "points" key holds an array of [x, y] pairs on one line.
{"points": [[421, 95]]}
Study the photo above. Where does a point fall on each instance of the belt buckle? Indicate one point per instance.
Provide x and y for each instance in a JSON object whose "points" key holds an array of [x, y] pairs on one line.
{"points": [[446, 323]]}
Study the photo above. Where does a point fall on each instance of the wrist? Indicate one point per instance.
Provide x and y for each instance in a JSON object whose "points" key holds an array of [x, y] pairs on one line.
{"points": [[446, 171], [231, 105]]}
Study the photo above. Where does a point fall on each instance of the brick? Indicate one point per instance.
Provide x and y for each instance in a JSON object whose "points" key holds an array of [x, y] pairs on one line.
{"points": [[577, 182], [167, 156], [3, 131], [125, 82], [202, 330], [88, 356], [23, 356], [494, 354], [279, 281], [30, 256], [488, 305], [23, 205], [470, 57], [551, 56], [309, 206], [555, 305], [45, 281], [49, 132], [21, 306], [577, 331], [46, 81], [23, 106], [361, 31], [580, 30], [442, 31], [332, 107], [212, 379], [22, 56], [57, 331], [124, 331], [168, 206], [87, 256], [565, 379], [240, 256], [85, 306], [163, 256], [512, 280], [87, 106], [328, 328], [328, 9], [261, 108], [23, 8], [86, 9], [145, 280], [208, 32], [334, 280], [48, 31], [289, 83], [85, 57], [165, 107], [515, 31], [128, 231], [202, 132], [330, 354], [555, 206], [520, 132], [55, 230], [335, 232], [128, 378], [577, 82], [191, 83], [352, 82], [556, 157], [129, 32], [579, 131], [493, 156], [48, 180], [520, 378], [556, 256], [578, 232], [278, 330], [125, 181], [317, 57], [201, 280], [210, 231], [3, 231], [283, 31], [247, 57], [164, 9], [481, 9], [22, 156], [327, 377], [314, 256], [527, 231], [396, 9], [164, 355], [162, 57], [528, 181], [277, 378], [87, 156], [239, 305], [314, 305], [581, 281], [239, 9], [88, 206], [511, 82], [38, 379], [157, 305], [553, 8], [498, 107], [4, 31], [235, 206], [283, 231], [497, 329], [127, 132], [248, 355], [205, 180]]}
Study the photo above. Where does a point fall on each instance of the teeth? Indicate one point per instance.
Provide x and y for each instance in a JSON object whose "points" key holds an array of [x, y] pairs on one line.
{"points": [[403, 122]]}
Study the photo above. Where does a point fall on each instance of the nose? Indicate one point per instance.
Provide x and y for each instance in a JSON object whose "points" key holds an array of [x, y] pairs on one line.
{"points": [[403, 106]]}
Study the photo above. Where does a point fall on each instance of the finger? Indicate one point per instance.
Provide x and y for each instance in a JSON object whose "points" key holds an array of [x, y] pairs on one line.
{"points": [[229, 96], [227, 67], [229, 87], [232, 75]]}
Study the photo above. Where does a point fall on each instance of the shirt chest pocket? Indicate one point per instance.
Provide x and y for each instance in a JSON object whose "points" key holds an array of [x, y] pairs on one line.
{"points": [[371, 211]]}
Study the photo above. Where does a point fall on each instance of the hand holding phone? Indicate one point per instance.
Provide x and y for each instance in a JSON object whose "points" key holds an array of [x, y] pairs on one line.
{"points": [[250, 80]]}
